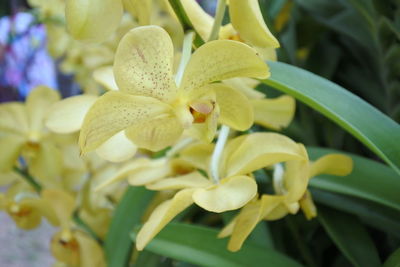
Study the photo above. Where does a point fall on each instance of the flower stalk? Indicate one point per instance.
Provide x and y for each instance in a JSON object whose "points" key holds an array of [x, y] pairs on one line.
{"points": [[219, 16], [217, 153]]}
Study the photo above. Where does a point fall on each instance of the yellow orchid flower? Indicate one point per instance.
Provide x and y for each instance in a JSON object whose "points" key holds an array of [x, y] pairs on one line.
{"points": [[247, 25], [93, 21], [70, 245], [151, 108], [23, 133], [272, 113], [290, 196], [25, 207], [242, 156]]}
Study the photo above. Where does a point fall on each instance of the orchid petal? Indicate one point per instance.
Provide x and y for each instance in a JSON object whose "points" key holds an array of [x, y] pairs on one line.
{"points": [[118, 148], [235, 108], [230, 194], [66, 116], [334, 164], [46, 164], [11, 146], [144, 63], [114, 112], [190, 180], [248, 153], [37, 106], [296, 177], [90, 252], [200, 20], [13, 117], [156, 134], [162, 215], [92, 20], [245, 86], [247, 19], [222, 59], [274, 113], [249, 217], [105, 77], [62, 203]]}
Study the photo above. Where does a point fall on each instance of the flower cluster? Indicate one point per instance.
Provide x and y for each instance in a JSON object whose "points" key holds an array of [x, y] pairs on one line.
{"points": [[73, 158]]}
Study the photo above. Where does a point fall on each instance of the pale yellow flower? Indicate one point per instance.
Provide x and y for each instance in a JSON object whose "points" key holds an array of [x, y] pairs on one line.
{"points": [[152, 109], [291, 188], [242, 156], [23, 133]]}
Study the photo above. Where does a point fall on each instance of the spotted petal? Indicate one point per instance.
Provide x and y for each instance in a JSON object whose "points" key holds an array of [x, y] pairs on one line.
{"points": [[114, 112], [144, 63]]}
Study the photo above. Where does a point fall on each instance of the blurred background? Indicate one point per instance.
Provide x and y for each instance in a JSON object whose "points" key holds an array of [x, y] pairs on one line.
{"points": [[354, 43]]}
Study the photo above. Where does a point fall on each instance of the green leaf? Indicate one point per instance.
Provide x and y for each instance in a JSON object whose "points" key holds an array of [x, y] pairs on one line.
{"points": [[350, 236], [375, 215], [393, 260], [199, 245], [376, 130], [118, 245], [369, 180]]}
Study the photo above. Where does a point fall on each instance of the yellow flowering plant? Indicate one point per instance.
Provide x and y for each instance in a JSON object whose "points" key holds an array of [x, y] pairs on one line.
{"points": [[173, 144]]}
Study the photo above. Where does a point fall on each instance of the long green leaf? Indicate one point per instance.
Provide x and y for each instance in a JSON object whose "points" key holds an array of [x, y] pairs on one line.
{"points": [[199, 245], [377, 131], [118, 245], [369, 180], [350, 236], [375, 215]]}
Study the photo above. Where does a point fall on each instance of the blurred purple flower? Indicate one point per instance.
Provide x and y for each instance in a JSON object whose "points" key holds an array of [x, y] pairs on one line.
{"points": [[24, 61]]}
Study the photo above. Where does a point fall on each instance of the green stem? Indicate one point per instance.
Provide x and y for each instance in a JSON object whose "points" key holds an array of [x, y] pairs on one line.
{"points": [[219, 16], [78, 220], [28, 178], [185, 21], [301, 245]]}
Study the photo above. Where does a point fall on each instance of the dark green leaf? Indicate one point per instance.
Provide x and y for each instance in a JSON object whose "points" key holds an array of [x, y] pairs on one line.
{"points": [[350, 236], [369, 180], [118, 245], [366, 123], [199, 245], [375, 215]]}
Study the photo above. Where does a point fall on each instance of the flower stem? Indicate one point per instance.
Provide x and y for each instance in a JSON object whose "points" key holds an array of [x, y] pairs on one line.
{"points": [[278, 179], [179, 146], [219, 16], [186, 53], [217, 153], [29, 179]]}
